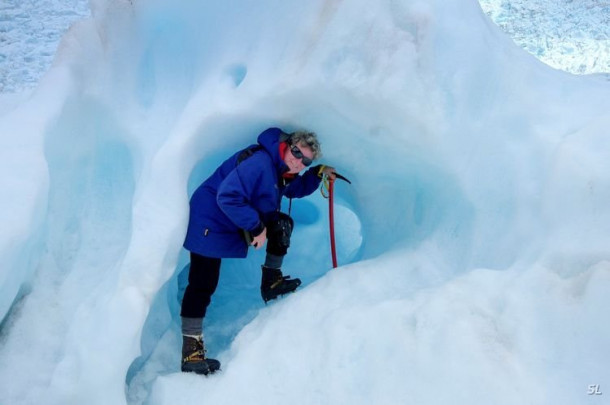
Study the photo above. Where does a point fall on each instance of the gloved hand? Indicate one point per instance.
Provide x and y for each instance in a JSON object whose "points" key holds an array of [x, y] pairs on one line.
{"points": [[259, 241], [329, 171]]}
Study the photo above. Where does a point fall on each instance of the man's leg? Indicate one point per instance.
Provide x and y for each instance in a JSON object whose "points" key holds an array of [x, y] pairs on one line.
{"points": [[273, 282], [204, 273]]}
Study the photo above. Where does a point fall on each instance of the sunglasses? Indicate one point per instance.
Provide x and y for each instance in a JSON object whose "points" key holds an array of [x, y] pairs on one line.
{"points": [[296, 152]]}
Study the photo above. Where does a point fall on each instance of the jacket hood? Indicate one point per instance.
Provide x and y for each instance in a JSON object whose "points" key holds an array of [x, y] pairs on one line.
{"points": [[270, 141]]}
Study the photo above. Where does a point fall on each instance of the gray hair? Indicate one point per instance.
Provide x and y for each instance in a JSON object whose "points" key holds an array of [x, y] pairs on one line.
{"points": [[307, 138]]}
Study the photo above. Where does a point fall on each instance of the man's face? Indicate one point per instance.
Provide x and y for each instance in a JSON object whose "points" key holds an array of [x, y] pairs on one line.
{"points": [[294, 163]]}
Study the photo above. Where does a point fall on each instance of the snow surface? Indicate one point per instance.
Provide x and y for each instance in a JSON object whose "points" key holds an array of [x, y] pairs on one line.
{"points": [[566, 34], [30, 31], [473, 241]]}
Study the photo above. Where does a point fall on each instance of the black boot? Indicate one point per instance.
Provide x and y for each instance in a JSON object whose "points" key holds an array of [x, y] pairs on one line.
{"points": [[273, 283], [193, 356]]}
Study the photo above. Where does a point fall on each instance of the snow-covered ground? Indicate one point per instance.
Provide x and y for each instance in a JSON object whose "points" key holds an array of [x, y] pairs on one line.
{"points": [[573, 35], [473, 246], [30, 31]]}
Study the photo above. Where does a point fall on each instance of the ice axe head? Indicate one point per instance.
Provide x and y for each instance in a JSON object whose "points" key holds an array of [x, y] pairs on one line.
{"points": [[342, 178]]}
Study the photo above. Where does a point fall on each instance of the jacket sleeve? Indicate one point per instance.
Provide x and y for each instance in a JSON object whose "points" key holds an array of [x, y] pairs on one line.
{"points": [[235, 194], [304, 185]]}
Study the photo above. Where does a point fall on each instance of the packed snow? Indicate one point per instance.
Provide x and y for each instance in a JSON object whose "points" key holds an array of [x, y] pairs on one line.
{"points": [[473, 245]]}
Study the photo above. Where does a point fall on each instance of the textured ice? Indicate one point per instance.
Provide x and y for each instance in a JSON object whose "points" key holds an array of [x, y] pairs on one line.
{"points": [[569, 35]]}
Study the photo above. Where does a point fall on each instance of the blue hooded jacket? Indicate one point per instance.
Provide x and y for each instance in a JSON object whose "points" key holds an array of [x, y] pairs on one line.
{"points": [[243, 196]]}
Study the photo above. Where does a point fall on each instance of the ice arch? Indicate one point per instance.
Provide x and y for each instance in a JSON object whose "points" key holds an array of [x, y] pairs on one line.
{"points": [[406, 202]]}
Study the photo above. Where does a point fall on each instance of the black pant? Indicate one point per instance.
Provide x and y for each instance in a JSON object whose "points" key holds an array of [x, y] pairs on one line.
{"points": [[203, 280]]}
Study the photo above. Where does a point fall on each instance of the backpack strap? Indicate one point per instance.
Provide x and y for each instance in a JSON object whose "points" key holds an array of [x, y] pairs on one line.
{"points": [[246, 153]]}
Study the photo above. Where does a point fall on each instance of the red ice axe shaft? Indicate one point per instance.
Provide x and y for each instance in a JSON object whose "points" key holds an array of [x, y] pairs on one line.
{"points": [[331, 220], [331, 216]]}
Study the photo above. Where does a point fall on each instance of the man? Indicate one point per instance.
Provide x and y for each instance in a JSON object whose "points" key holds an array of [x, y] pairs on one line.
{"points": [[239, 204]]}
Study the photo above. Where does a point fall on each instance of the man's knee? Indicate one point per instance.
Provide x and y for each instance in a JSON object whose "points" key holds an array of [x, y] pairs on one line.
{"points": [[279, 232]]}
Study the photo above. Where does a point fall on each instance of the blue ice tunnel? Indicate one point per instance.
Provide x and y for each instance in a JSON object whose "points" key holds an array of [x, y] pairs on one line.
{"points": [[237, 299]]}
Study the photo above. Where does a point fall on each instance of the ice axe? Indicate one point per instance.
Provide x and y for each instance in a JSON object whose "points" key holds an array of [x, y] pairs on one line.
{"points": [[331, 215]]}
